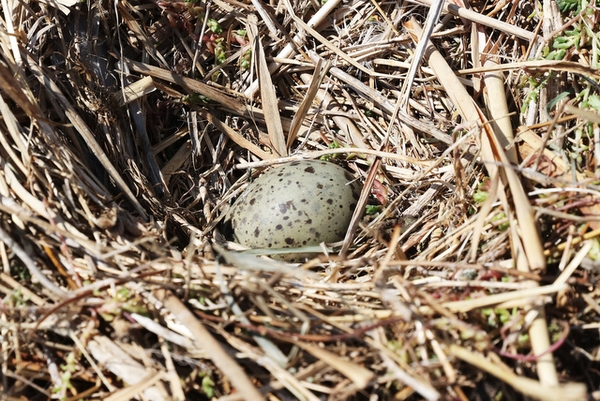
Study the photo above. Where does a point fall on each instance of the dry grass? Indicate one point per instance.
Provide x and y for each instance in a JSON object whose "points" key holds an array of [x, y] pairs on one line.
{"points": [[127, 129]]}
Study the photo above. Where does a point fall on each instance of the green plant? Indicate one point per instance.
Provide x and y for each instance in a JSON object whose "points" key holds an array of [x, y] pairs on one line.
{"points": [[208, 386], [68, 369], [575, 6]]}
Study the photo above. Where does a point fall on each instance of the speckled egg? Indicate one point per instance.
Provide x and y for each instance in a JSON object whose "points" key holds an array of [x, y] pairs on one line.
{"points": [[302, 203]]}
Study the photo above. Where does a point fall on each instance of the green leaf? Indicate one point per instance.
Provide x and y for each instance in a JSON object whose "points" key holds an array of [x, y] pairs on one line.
{"points": [[480, 196], [207, 386], [373, 209], [557, 99], [594, 102], [214, 26]]}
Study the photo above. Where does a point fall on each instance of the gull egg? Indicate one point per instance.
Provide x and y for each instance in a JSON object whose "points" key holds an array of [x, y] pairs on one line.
{"points": [[298, 204]]}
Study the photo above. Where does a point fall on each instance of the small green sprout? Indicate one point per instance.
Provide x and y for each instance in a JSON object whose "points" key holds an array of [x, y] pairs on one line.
{"points": [[195, 98], [480, 196], [220, 51], [499, 217], [246, 59], [214, 26], [371, 210], [208, 386], [571, 5], [594, 252], [332, 145]]}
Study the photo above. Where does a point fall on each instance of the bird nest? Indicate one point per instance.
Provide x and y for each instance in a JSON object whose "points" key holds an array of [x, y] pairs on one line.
{"points": [[468, 271]]}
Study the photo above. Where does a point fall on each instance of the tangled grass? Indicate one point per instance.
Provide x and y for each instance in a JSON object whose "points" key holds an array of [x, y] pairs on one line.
{"points": [[129, 127]]}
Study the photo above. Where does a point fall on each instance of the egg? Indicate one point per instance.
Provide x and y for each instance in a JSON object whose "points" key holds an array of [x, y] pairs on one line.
{"points": [[298, 204]]}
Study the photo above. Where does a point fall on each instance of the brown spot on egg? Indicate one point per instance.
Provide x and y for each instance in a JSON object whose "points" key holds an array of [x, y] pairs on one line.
{"points": [[310, 170], [289, 241]]}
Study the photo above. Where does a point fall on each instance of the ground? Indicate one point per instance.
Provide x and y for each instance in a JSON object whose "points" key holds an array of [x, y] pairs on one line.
{"points": [[468, 272]]}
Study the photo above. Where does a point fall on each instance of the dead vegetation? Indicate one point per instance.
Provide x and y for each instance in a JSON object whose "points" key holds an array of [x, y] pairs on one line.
{"points": [[127, 128]]}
